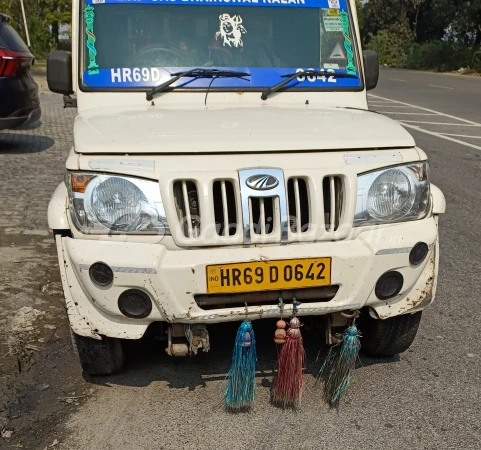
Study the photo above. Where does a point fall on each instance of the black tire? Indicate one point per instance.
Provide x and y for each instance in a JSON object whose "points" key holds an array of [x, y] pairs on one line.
{"points": [[389, 337], [103, 357]]}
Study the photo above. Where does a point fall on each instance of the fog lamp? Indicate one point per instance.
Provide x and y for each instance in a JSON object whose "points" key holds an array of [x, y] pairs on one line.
{"points": [[135, 304], [389, 285]]}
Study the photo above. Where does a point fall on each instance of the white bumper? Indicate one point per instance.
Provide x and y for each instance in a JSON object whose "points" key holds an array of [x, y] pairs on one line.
{"points": [[172, 278]]}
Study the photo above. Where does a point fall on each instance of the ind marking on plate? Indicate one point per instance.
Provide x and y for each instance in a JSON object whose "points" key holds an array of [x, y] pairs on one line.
{"points": [[268, 275]]}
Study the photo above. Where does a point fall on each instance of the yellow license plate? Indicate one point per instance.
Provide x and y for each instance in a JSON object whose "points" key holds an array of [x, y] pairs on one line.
{"points": [[268, 275]]}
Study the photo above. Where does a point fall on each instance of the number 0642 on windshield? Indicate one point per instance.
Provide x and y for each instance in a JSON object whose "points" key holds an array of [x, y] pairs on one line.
{"points": [[268, 275]]}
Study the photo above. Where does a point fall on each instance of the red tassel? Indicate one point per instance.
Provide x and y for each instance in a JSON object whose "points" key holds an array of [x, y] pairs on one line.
{"points": [[289, 382]]}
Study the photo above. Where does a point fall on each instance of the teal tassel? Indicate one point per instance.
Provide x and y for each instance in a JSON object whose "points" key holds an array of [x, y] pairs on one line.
{"points": [[340, 365], [240, 391]]}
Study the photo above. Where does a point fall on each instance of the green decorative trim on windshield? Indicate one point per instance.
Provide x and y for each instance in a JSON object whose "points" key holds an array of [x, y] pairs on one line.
{"points": [[89, 15], [351, 68]]}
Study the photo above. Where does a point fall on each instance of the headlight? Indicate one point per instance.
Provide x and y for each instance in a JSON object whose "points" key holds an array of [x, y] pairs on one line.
{"points": [[394, 194], [102, 204]]}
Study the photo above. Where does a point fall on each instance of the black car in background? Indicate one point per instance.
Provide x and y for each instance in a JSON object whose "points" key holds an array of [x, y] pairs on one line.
{"points": [[19, 103]]}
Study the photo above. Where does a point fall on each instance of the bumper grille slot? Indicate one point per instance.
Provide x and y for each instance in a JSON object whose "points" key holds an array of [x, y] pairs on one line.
{"points": [[298, 203], [308, 295], [333, 202], [225, 211], [187, 205]]}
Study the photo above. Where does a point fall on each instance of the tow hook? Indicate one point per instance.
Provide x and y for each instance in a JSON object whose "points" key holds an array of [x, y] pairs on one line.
{"points": [[183, 340], [198, 338], [334, 322]]}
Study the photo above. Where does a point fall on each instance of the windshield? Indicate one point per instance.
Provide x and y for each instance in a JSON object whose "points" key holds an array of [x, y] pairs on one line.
{"points": [[140, 45]]}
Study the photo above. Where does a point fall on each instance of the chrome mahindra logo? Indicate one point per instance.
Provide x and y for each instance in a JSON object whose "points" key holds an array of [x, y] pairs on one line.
{"points": [[262, 182]]}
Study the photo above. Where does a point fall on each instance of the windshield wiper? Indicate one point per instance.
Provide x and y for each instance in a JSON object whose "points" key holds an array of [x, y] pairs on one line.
{"points": [[290, 76], [193, 73]]}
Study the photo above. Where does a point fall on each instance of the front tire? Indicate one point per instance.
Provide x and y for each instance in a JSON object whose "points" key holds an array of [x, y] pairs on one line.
{"points": [[386, 338], [96, 357]]}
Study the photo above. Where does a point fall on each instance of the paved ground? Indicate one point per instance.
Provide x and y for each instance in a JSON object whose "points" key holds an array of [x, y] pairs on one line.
{"points": [[428, 398], [441, 105]]}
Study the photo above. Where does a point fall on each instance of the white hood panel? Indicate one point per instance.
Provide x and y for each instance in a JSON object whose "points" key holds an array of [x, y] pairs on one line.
{"points": [[260, 128]]}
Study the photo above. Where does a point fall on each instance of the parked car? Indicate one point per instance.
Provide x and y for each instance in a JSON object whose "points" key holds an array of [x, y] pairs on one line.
{"points": [[19, 103]]}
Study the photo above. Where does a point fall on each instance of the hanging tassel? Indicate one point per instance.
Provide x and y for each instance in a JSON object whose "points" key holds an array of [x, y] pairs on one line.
{"points": [[340, 365], [240, 391], [289, 383], [280, 333]]}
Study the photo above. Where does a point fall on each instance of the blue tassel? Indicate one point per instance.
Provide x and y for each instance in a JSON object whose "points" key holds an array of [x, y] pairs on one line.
{"points": [[240, 391], [340, 365]]}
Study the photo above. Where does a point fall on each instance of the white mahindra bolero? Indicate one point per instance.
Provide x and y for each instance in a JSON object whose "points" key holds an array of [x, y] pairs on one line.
{"points": [[225, 165]]}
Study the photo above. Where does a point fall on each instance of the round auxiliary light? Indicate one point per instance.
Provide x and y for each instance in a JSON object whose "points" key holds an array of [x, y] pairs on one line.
{"points": [[389, 285], [135, 304], [418, 253], [101, 274], [391, 196]]}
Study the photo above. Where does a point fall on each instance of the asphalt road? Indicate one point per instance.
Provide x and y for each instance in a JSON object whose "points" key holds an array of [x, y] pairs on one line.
{"points": [[427, 398]]}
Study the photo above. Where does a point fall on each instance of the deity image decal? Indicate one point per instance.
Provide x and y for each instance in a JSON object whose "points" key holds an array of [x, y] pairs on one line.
{"points": [[231, 30]]}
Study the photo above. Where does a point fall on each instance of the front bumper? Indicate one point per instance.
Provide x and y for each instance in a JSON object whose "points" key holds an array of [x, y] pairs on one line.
{"points": [[173, 277]]}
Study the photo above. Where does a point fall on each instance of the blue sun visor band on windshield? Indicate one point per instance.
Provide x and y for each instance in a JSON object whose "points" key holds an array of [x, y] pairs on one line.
{"points": [[259, 77], [333, 4], [267, 44]]}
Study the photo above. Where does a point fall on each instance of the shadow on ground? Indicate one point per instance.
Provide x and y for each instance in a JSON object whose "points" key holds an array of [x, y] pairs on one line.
{"points": [[23, 143], [147, 361]]}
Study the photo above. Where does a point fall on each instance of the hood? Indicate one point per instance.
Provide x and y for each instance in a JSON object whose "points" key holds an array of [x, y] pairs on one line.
{"points": [[229, 130]]}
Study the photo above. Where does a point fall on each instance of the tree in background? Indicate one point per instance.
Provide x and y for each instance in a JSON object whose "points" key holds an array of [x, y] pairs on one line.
{"points": [[44, 18], [424, 34], [387, 28]]}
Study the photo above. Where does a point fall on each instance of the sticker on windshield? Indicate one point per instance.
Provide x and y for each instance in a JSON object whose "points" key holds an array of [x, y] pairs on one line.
{"points": [[351, 68], [337, 54], [334, 4], [231, 30], [89, 15], [332, 24]]}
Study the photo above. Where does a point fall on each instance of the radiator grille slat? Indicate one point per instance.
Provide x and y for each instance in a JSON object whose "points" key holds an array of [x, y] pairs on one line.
{"points": [[333, 202], [332, 224], [298, 204], [262, 215], [225, 213], [186, 199], [225, 209], [185, 194], [298, 199]]}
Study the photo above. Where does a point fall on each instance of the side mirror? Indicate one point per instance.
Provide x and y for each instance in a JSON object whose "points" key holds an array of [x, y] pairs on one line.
{"points": [[59, 72], [371, 68]]}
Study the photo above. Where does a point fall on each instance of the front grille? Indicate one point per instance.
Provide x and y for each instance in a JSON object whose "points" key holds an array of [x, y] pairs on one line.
{"points": [[298, 200], [300, 208], [225, 209], [332, 190], [186, 199]]}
